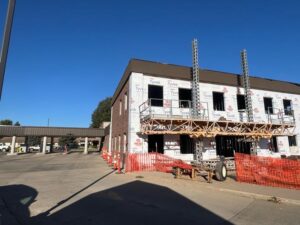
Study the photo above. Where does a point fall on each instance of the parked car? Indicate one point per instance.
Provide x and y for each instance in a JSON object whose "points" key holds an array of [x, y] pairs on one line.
{"points": [[4, 147], [35, 148], [38, 148]]}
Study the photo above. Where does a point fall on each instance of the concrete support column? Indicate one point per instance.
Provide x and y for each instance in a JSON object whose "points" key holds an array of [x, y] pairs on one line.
{"points": [[86, 145], [26, 144], [44, 145], [51, 144], [12, 147]]}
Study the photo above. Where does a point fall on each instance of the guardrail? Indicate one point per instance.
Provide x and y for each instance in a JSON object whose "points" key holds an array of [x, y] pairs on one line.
{"points": [[166, 108], [280, 116]]}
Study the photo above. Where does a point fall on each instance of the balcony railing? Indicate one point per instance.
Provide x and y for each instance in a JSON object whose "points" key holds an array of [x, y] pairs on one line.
{"points": [[280, 116], [166, 108], [182, 109]]}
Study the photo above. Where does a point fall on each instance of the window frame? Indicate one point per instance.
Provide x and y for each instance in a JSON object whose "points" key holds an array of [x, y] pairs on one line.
{"points": [[267, 109], [292, 143], [124, 142], [274, 144], [125, 101], [120, 107], [156, 102], [215, 107], [237, 102], [286, 111], [189, 102]]}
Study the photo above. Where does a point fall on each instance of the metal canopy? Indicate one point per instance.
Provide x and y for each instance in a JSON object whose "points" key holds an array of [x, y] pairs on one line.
{"points": [[22, 131]]}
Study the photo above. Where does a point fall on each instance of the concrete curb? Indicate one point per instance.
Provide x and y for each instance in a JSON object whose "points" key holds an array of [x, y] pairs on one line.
{"points": [[259, 196]]}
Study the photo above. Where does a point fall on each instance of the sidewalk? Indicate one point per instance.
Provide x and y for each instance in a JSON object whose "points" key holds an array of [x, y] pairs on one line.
{"points": [[275, 194], [257, 191]]}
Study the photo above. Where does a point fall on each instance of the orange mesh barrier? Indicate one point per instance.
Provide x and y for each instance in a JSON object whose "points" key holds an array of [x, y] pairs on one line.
{"points": [[268, 171], [152, 162]]}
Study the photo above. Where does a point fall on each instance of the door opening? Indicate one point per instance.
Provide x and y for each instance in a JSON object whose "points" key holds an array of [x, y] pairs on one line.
{"points": [[156, 143], [227, 145], [186, 144]]}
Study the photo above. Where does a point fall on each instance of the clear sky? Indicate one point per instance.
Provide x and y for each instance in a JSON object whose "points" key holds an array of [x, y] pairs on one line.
{"points": [[67, 55]]}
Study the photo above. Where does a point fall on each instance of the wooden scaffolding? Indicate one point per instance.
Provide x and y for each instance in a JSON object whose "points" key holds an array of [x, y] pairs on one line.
{"points": [[204, 128]]}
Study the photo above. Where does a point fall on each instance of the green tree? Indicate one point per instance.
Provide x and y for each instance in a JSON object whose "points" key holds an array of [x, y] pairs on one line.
{"points": [[101, 113], [34, 140], [69, 140], [6, 122], [17, 123]]}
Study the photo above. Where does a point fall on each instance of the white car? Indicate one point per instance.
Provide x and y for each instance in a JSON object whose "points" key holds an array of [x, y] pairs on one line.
{"points": [[4, 147], [35, 148]]}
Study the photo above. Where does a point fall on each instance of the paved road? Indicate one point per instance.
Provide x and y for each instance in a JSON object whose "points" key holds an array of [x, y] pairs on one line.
{"points": [[81, 189]]}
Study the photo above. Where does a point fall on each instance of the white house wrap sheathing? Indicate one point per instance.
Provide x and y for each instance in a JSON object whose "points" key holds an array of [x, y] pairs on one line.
{"points": [[138, 93]]}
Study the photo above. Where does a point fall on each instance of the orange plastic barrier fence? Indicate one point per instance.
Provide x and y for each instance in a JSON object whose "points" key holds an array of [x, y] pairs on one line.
{"points": [[152, 162], [113, 159], [268, 171]]}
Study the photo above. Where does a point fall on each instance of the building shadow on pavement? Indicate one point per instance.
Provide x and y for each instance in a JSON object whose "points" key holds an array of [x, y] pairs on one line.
{"points": [[134, 203]]}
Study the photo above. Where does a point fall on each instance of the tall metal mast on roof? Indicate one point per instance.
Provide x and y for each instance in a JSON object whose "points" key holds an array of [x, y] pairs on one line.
{"points": [[246, 85], [195, 81], [196, 99]]}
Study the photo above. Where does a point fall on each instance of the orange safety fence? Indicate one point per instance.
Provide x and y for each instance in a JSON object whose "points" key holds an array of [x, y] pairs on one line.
{"points": [[113, 158], [268, 171], [153, 161]]}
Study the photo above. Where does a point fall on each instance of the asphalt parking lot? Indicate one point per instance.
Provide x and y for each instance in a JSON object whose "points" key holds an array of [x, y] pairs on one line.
{"points": [[82, 189]]}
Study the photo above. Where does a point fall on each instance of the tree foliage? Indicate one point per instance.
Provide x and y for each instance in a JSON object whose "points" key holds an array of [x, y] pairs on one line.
{"points": [[34, 140], [6, 122], [101, 113], [69, 140], [17, 123]]}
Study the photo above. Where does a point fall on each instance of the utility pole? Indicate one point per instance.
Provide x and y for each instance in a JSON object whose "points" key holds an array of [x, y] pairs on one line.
{"points": [[5, 40]]}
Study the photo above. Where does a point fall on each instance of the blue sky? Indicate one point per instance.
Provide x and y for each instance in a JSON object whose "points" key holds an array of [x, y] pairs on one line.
{"points": [[67, 55]]}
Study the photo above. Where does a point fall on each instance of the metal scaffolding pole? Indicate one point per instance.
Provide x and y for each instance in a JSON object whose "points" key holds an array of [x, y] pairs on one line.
{"points": [[246, 84], [195, 81]]}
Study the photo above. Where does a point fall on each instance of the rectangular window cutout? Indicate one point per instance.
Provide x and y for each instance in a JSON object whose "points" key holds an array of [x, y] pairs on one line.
{"points": [[292, 141], [273, 144], [218, 101], [125, 101], [241, 104], [155, 94], [124, 143], [186, 144], [156, 143], [185, 98], [268, 105], [287, 105]]}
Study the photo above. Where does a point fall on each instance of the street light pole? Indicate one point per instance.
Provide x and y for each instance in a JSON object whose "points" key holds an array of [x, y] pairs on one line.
{"points": [[5, 40]]}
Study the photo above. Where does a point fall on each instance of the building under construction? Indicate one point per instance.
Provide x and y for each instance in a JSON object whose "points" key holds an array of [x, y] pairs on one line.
{"points": [[191, 113]]}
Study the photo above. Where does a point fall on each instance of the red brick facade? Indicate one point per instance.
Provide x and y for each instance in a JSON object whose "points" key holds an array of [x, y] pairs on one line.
{"points": [[120, 120]]}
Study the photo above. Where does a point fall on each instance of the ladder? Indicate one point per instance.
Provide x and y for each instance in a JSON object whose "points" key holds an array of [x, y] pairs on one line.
{"points": [[196, 99], [195, 81], [246, 85]]}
